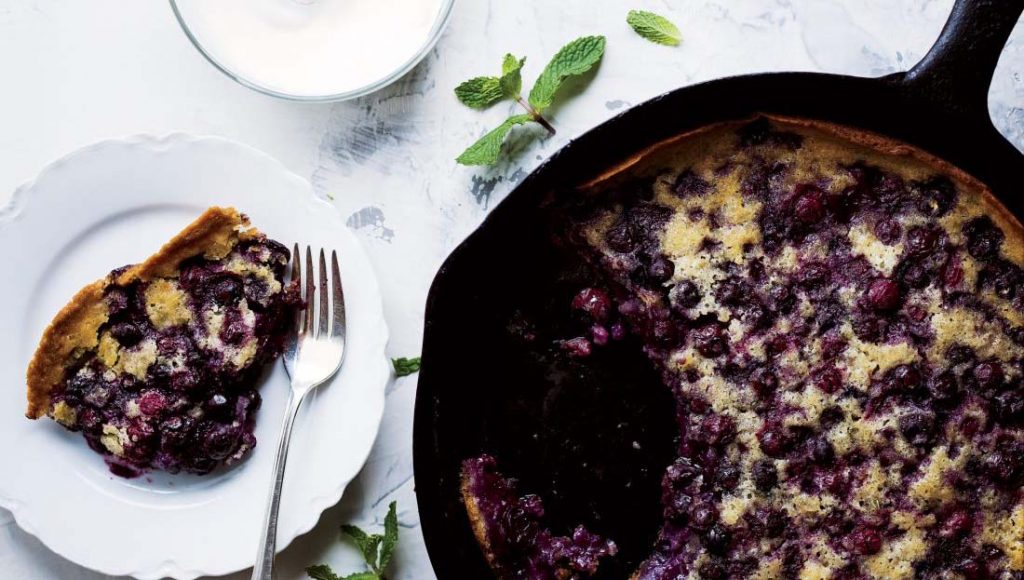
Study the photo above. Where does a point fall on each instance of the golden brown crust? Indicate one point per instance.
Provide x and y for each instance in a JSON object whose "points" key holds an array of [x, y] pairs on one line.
{"points": [[74, 330], [646, 152], [212, 234], [1008, 222], [476, 520], [881, 144]]}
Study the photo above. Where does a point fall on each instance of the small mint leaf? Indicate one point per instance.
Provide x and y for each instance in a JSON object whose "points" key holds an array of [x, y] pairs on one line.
{"points": [[321, 572], [359, 537], [511, 77], [366, 543], [373, 552], [486, 150], [405, 366], [654, 27], [362, 576], [479, 92], [573, 59], [387, 549]]}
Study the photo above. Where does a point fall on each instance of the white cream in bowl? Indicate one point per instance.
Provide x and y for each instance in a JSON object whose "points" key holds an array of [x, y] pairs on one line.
{"points": [[313, 49]]}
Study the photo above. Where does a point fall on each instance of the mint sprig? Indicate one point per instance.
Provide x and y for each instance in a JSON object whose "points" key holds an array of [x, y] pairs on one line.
{"points": [[405, 366], [573, 59], [377, 550], [654, 27]]}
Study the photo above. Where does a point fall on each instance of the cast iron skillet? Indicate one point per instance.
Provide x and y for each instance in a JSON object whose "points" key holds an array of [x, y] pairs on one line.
{"points": [[594, 440]]}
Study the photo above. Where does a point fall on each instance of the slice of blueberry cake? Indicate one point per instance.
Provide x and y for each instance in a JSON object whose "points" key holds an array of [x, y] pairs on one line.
{"points": [[157, 364], [511, 530], [840, 319]]}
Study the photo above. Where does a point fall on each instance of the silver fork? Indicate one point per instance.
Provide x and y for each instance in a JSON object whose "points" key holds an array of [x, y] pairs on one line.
{"points": [[312, 355]]}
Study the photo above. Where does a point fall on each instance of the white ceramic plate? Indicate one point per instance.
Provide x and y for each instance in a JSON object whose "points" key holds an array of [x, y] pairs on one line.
{"points": [[114, 203]]}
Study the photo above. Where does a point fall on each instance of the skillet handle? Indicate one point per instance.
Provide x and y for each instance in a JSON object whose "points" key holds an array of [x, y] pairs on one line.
{"points": [[956, 73]]}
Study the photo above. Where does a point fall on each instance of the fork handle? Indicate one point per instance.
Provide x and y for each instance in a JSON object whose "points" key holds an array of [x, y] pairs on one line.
{"points": [[264, 568]]}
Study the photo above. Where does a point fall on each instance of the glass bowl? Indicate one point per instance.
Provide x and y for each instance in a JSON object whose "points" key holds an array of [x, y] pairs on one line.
{"points": [[443, 15]]}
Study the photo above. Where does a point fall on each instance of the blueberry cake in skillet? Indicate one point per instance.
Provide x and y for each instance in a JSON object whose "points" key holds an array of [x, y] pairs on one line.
{"points": [[840, 319], [157, 364], [510, 528]]}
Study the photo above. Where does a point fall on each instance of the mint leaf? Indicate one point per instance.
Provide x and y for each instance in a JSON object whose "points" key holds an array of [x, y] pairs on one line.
{"points": [[480, 92], [387, 549], [359, 537], [321, 572], [654, 27], [573, 59], [356, 533], [486, 150], [366, 543], [372, 552], [324, 572], [405, 366], [511, 77]]}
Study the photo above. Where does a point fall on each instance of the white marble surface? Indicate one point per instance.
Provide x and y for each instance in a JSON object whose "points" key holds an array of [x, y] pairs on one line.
{"points": [[76, 72]]}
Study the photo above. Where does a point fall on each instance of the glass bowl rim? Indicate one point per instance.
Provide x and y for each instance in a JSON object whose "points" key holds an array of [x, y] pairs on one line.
{"points": [[440, 22]]}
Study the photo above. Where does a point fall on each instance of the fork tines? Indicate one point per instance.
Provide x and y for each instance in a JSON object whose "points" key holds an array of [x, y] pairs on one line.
{"points": [[329, 302]]}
